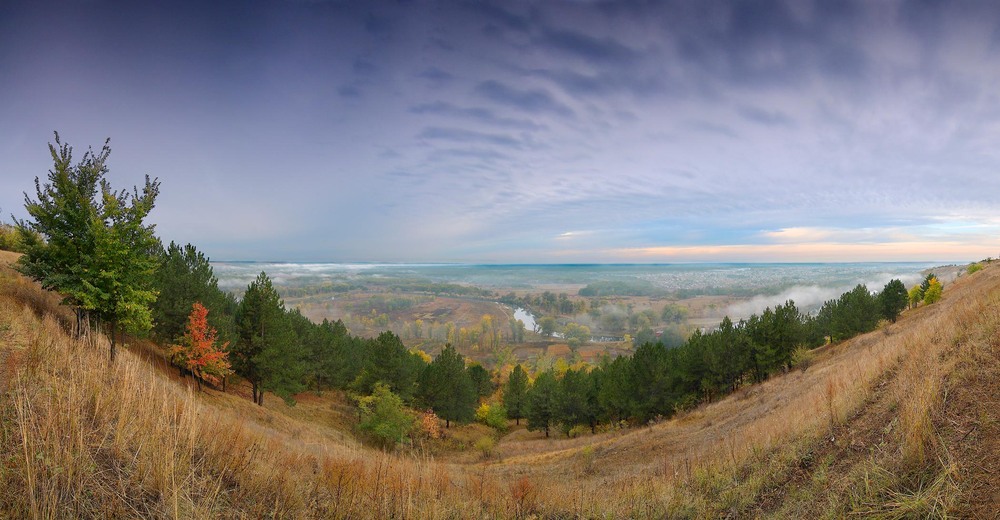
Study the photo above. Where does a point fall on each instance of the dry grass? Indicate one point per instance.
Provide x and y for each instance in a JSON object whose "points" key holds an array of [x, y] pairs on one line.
{"points": [[866, 430]]}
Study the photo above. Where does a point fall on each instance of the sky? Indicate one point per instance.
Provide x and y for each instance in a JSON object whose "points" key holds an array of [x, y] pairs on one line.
{"points": [[524, 132]]}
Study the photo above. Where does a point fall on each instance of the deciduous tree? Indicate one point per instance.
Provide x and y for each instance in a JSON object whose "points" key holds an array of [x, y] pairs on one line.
{"points": [[199, 351]]}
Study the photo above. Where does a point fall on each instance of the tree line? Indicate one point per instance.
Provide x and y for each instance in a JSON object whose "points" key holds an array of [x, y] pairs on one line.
{"points": [[657, 381]]}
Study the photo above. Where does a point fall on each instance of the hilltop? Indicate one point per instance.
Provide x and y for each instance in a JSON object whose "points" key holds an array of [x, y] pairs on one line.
{"points": [[900, 422]]}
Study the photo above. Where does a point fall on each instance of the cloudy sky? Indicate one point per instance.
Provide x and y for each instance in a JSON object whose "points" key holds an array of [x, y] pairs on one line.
{"points": [[525, 132]]}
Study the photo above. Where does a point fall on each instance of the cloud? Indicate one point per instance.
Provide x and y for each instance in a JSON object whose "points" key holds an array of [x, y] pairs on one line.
{"points": [[586, 47], [482, 115], [459, 135], [526, 100]]}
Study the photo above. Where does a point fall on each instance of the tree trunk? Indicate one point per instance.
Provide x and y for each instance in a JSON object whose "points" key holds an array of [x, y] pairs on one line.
{"points": [[260, 398], [517, 421], [224, 379]]}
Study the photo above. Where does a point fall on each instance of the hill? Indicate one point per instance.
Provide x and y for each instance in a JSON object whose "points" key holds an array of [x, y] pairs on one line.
{"points": [[901, 422]]}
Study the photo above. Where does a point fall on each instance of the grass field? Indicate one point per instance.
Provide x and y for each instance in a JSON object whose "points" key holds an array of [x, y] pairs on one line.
{"points": [[903, 422]]}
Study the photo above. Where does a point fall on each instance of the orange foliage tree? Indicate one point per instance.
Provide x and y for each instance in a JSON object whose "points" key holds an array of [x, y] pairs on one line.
{"points": [[198, 351]]}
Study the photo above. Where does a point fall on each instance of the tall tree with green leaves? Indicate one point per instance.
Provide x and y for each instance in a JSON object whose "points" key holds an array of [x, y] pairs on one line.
{"points": [[386, 359], [58, 238], [543, 402], [514, 394], [445, 386], [267, 353], [90, 243], [184, 276], [125, 259], [893, 299]]}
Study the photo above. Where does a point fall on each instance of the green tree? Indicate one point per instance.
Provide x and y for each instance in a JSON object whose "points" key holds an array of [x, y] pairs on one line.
{"points": [[916, 295], [548, 325], [184, 276], [267, 353], [445, 386], [514, 394], [124, 259], [481, 380], [542, 402], [59, 237], [387, 360], [933, 292], [893, 299], [88, 241], [384, 418], [572, 403]]}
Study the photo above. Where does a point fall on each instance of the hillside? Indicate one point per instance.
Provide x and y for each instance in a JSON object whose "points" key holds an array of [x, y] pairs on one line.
{"points": [[902, 422]]}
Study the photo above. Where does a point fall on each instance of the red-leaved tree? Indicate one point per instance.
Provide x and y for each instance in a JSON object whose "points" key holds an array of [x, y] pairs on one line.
{"points": [[198, 351]]}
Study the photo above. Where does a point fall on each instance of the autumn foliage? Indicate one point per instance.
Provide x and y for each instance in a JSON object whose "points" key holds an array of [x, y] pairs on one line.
{"points": [[198, 351]]}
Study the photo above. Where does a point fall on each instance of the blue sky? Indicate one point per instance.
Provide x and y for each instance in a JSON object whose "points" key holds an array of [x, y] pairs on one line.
{"points": [[525, 132]]}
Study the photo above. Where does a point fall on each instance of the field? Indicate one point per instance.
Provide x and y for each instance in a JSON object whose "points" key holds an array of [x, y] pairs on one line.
{"points": [[902, 422]]}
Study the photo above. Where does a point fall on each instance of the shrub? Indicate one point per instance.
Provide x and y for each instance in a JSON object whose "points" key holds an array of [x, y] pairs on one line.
{"points": [[384, 418], [974, 268], [802, 358], [486, 446], [492, 415]]}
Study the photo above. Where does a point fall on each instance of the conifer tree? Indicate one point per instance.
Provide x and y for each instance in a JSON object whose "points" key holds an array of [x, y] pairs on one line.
{"points": [[542, 402], [446, 387], [267, 353], [514, 394], [893, 299]]}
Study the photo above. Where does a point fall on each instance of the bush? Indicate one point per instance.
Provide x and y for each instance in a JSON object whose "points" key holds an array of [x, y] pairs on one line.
{"points": [[384, 418], [493, 415], [10, 240], [802, 358], [486, 447], [974, 268]]}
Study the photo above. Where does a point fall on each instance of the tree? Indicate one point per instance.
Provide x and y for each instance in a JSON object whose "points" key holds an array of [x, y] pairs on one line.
{"points": [[88, 241], [548, 325], [572, 403], [125, 259], [446, 387], [514, 394], [576, 334], [267, 354], [916, 296], [386, 359], [933, 292], [199, 351], [542, 402], [482, 382], [184, 276], [384, 417], [59, 238], [893, 299]]}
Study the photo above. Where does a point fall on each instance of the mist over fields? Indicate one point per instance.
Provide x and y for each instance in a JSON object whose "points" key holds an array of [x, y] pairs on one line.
{"points": [[757, 286]]}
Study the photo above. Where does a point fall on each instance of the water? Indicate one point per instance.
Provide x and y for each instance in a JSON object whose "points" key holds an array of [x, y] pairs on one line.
{"points": [[527, 318]]}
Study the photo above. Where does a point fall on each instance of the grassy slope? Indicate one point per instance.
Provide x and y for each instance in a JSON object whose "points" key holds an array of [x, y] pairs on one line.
{"points": [[898, 423]]}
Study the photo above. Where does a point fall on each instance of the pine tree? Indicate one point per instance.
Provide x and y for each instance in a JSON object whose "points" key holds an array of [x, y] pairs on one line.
{"points": [[446, 387], [514, 394], [184, 276], [542, 402], [893, 299], [267, 353]]}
